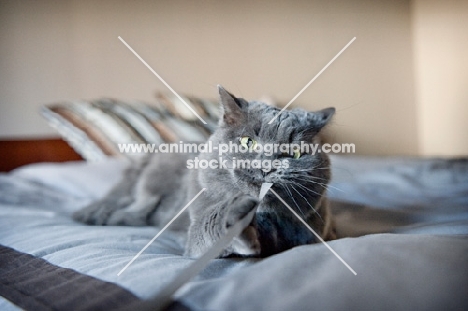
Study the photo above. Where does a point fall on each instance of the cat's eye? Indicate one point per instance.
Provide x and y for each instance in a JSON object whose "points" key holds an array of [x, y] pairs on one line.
{"points": [[296, 154], [248, 143]]}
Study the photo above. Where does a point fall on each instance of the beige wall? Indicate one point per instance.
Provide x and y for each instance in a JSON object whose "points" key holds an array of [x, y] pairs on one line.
{"points": [[441, 59], [53, 50]]}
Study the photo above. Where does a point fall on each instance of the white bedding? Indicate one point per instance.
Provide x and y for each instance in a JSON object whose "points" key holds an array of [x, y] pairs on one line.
{"points": [[420, 263]]}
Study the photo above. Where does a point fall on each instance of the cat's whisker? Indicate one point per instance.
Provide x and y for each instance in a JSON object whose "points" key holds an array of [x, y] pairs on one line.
{"points": [[309, 169], [308, 178], [292, 197], [324, 187], [333, 187], [304, 178], [301, 173], [292, 182], [315, 211], [306, 174], [299, 181], [307, 189]]}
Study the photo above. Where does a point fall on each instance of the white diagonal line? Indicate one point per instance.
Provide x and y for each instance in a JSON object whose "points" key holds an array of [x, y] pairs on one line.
{"points": [[318, 236], [160, 232], [162, 80], [164, 297], [313, 79]]}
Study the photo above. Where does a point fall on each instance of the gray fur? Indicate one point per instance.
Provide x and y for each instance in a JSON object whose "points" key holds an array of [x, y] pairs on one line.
{"points": [[158, 186]]}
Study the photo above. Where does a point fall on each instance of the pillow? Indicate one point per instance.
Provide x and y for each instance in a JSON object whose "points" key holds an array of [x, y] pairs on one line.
{"points": [[95, 128]]}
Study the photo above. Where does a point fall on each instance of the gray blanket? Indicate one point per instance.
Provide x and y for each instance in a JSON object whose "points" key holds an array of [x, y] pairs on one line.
{"points": [[403, 225]]}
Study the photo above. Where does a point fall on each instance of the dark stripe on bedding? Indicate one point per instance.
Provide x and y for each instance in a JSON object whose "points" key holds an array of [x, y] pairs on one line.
{"points": [[34, 284]]}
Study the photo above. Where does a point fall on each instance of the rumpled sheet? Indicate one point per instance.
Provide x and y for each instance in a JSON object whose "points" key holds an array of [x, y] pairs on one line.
{"points": [[403, 225]]}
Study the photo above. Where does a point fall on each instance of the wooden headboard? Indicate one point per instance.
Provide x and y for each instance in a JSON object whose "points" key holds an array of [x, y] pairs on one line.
{"points": [[18, 152]]}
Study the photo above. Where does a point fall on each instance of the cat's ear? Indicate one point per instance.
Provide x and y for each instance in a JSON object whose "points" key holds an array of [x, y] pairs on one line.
{"points": [[319, 119], [233, 109]]}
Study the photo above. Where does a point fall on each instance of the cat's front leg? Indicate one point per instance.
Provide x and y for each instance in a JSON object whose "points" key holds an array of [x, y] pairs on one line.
{"points": [[99, 212], [120, 196], [209, 224]]}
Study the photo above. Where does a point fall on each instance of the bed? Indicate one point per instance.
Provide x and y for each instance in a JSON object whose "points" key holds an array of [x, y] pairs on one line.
{"points": [[402, 222], [402, 225]]}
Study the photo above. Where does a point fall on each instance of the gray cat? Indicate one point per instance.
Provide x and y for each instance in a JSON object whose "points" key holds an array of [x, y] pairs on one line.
{"points": [[158, 186]]}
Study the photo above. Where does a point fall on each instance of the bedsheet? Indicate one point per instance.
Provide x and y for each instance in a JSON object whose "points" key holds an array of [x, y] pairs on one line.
{"points": [[402, 222]]}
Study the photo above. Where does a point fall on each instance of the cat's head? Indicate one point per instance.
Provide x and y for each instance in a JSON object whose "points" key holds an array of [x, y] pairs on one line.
{"points": [[246, 124]]}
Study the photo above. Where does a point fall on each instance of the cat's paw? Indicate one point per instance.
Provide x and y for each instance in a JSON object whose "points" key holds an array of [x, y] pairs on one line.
{"points": [[93, 214], [247, 243], [99, 212]]}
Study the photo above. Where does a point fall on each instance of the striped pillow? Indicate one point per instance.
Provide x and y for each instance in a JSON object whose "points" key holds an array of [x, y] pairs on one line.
{"points": [[95, 128]]}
